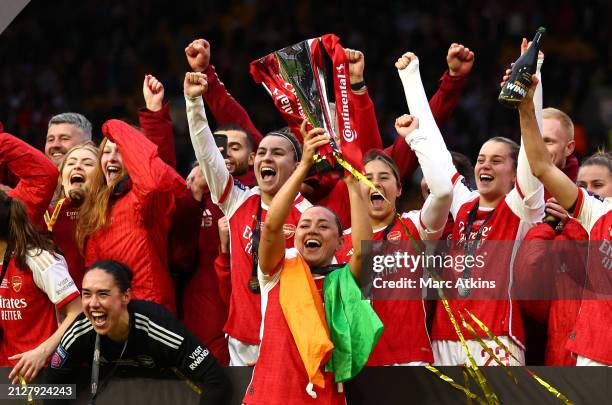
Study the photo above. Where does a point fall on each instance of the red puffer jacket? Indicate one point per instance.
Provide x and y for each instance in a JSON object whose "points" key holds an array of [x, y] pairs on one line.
{"points": [[140, 216]]}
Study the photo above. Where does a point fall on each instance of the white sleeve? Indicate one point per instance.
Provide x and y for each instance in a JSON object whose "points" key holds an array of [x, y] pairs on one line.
{"points": [[267, 281], [51, 275], [434, 213], [416, 218], [220, 183], [419, 105], [527, 199], [590, 209], [538, 100], [461, 194]]}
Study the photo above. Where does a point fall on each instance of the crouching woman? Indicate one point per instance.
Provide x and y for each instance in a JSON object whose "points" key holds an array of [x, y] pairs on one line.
{"points": [[116, 335]]}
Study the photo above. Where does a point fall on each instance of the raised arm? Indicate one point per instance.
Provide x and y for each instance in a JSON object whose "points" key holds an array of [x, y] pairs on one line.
{"points": [[37, 175], [368, 134], [460, 61], [555, 181], [360, 224], [434, 213], [146, 169], [155, 121], [225, 108], [209, 158], [530, 189], [408, 69], [272, 242]]}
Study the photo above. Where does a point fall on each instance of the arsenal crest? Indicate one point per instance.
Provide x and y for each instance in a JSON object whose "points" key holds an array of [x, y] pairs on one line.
{"points": [[16, 283], [289, 230], [395, 235]]}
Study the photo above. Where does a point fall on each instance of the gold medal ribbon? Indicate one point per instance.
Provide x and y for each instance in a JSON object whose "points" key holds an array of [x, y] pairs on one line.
{"points": [[51, 220]]}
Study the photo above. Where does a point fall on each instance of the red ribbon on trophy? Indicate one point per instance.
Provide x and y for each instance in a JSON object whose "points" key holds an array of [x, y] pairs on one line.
{"points": [[297, 78]]}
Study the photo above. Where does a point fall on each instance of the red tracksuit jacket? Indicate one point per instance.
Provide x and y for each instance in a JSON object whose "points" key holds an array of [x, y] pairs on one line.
{"points": [[140, 217], [37, 175], [536, 266]]}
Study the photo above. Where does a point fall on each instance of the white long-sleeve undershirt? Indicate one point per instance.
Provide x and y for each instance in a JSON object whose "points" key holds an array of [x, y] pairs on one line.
{"points": [[428, 145]]}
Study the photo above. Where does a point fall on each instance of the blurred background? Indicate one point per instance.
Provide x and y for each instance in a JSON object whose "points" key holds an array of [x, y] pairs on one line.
{"points": [[91, 57]]}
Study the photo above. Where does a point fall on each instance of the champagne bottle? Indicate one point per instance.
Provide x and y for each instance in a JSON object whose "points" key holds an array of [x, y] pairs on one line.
{"points": [[517, 86]]}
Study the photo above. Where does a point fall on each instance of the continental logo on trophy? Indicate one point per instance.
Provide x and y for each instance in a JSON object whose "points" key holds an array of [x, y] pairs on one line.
{"points": [[310, 81]]}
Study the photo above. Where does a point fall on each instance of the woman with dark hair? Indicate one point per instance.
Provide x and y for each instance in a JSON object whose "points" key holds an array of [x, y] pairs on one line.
{"points": [[406, 342], [128, 209], [131, 335], [595, 174], [281, 375], [508, 201], [35, 281]]}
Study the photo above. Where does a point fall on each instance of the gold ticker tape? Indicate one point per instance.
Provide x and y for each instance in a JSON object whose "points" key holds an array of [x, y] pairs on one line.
{"points": [[546, 385], [487, 349], [23, 383], [472, 369], [452, 382]]}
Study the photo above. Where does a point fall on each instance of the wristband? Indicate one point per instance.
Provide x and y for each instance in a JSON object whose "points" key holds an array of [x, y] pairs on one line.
{"points": [[358, 86]]}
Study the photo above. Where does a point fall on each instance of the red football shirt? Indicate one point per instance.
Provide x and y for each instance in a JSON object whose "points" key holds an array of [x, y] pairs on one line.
{"points": [[27, 303]]}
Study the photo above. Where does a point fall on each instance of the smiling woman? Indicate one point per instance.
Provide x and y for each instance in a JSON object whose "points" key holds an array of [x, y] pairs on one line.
{"points": [[128, 210], [130, 334], [286, 301], [76, 170]]}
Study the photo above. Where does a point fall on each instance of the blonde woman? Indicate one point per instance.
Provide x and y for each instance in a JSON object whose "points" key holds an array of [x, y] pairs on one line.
{"points": [[76, 170]]}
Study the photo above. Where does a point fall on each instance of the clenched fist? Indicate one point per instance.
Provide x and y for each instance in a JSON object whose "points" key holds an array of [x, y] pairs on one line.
{"points": [[195, 84], [153, 92], [405, 124], [403, 62], [198, 55], [460, 60]]}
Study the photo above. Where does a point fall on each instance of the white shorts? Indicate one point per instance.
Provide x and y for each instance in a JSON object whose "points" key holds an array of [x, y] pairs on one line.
{"points": [[242, 354], [582, 361], [452, 353]]}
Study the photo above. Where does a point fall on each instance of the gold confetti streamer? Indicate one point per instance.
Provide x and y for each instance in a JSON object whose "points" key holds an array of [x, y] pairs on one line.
{"points": [[546, 385], [466, 381], [452, 382], [23, 383], [488, 349], [475, 371]]}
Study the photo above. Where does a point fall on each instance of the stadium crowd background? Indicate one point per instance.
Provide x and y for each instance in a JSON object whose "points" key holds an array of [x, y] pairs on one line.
{"points": [[90, 57]]}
